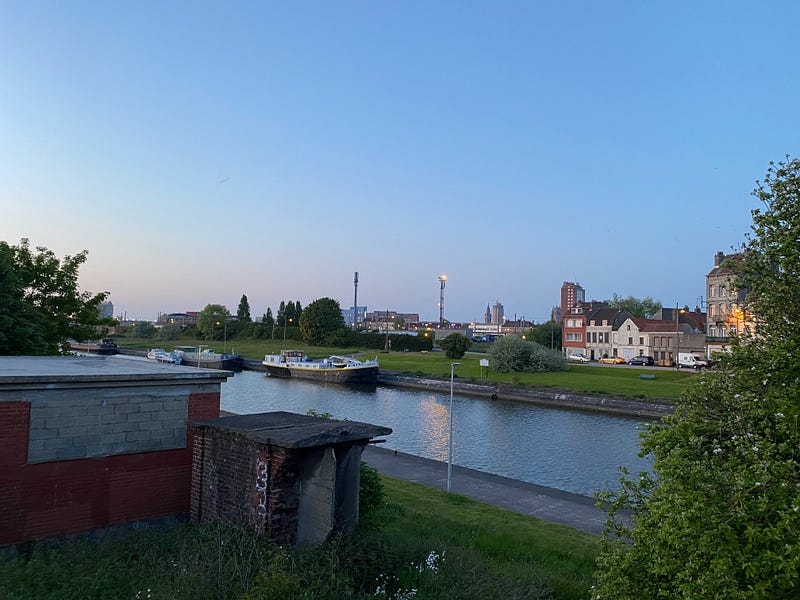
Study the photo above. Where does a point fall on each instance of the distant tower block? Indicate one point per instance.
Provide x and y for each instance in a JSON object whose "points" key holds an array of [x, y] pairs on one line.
{"points": [[442, 282]]}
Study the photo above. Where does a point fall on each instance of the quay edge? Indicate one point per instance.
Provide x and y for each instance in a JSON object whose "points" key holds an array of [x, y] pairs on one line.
{"points": [[654, 408], [542, 396]]}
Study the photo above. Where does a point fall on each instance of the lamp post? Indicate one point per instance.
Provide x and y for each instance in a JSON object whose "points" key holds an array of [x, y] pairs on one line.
{"points": [[450, 435], [284, 326], [677, 338]]}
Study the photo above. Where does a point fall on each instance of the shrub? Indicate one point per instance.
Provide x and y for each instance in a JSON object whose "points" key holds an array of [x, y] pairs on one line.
{"points": [[512, 353], [455, 345], [371, 494]]}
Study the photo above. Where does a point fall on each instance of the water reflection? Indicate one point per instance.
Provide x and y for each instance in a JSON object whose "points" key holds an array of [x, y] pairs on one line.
{"points": [[568, 450]]}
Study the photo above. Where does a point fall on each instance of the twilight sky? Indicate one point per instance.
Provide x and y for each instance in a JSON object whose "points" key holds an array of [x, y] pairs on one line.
{"points": [[204, 150]]}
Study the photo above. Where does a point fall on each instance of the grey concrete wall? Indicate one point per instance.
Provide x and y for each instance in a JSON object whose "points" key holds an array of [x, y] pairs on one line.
{"points": [[87, 422]]}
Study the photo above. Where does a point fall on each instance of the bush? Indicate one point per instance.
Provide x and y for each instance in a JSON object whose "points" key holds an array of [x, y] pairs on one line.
{"points": [[511, 353], [371, 494], [455, 345]]}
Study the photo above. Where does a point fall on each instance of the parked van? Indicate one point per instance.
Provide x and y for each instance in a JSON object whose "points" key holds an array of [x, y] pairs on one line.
{"points": [[687, 359]]}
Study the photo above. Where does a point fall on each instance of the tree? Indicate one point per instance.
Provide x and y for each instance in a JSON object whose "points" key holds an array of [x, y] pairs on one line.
{"points": [[718, 517], [547, 334], [40, 306], [455, 345], [211, 320], [320, 321], [269, 323], [142, 329], [243, 312], [170, 331], [638, 308]]}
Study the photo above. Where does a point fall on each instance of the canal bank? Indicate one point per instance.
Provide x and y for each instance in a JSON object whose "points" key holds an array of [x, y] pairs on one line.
{"points": [[541, 396], [554, 398]]}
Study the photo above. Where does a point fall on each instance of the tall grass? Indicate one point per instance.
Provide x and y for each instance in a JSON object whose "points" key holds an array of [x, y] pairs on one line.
{"points": [[422, 544]]}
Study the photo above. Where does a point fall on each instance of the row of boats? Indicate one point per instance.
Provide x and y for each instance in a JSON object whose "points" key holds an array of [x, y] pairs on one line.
{"points": [[289, 364]]}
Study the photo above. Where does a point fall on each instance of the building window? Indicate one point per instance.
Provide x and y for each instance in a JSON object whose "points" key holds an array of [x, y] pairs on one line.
{"points": [[606, 336], [711, 291], [630, 341], [641, 341], [629, 327]]}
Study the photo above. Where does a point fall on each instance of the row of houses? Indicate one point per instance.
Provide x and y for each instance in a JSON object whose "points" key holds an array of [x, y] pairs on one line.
{"points": [[597, 330]]}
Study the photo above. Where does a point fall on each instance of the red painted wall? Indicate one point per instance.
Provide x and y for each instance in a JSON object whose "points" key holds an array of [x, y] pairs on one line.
{"points": [[57, 498]]}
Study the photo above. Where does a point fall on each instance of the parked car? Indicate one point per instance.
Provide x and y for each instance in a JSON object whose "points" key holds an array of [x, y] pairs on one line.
{"points": [[613, 360], [644, 361], [578, 357]]}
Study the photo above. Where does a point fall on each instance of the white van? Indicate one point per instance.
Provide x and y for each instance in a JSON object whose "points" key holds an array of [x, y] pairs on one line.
{"points": [[687, 359]]}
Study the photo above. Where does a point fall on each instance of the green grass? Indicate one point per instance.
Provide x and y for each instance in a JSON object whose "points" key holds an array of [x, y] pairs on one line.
{"points": [[605, 381], [480, 552]]}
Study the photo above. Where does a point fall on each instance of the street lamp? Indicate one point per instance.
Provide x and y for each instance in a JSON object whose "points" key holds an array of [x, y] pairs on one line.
{"points": [[225, 336], [284, 326], [450, 435], [677, 337]]}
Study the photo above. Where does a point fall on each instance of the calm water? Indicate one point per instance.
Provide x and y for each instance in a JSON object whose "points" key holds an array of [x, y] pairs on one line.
{"points": [[567, 450]]}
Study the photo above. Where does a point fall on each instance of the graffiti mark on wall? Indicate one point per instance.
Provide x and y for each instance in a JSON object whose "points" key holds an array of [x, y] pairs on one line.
{"points": [[262, 485]]}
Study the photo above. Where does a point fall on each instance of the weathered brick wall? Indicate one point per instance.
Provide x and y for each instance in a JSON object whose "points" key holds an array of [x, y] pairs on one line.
{"points": [[234, 478], [44, 498]]}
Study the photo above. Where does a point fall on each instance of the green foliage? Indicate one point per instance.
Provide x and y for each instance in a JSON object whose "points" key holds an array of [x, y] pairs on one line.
{"points": [[370, 493], [40, 306], [243, 311], [320, 321], [443, 545], [546, 334], [512, 353], [211, 321], [142, 329], [720, 516], [638, 308], [455, 345], [169, 332]]}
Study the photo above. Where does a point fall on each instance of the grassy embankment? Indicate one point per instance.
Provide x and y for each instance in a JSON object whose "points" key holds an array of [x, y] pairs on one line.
{"points": [[611, 380], [479, 552]]}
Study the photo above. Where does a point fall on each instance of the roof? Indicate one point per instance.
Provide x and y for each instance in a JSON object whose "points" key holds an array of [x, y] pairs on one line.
{"points": [[98, 369], [290, 430]]}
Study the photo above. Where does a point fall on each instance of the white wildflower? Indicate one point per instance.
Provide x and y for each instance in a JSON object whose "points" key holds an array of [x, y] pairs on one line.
{"points": [[717, 450], [755, 448], [779, 415]]}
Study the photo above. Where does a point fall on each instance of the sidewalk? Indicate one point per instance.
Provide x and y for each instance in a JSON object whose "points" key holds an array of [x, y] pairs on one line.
{"points": [[544, 503]]}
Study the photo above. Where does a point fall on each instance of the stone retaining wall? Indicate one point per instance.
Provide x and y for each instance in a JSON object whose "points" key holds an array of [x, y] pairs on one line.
{"points": [[545, 397]]}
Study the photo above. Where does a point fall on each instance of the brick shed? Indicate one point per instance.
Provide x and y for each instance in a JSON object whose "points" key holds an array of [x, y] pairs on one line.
{"points": [[90, 442], [291, 477]]}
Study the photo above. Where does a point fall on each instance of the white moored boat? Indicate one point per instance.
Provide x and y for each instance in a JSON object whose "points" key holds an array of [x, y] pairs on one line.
{"points": [[335, 369]]}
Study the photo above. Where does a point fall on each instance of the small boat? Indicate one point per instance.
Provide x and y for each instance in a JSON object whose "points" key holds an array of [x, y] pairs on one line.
{"points": [[106, 346], [208, 359], [335, 369], [162, 356]]}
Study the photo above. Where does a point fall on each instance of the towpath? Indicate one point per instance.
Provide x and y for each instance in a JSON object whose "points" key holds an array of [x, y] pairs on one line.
{"points": [[573, 510]]}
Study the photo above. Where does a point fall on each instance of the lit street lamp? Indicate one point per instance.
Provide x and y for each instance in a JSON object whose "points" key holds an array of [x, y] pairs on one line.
{"points": [[225, 336], [284, 326], [450, 436]]}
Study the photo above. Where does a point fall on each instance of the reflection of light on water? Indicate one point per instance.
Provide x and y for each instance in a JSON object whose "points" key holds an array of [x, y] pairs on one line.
{"points": [[434, 422], [568, 450]]}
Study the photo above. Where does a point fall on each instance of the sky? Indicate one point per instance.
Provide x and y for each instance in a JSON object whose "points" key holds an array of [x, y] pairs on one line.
{"points": [[200, 151]]}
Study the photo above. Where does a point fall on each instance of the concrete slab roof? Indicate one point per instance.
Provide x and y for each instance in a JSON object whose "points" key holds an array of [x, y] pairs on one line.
{"points": [[290, 430], [79, 369]]}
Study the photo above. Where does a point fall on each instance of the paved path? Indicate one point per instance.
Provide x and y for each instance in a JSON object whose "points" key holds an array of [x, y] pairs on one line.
{"points": [[574, 510]]}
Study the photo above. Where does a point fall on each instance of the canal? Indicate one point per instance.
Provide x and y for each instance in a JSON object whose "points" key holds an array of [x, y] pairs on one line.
{"points": [[567, 450]]}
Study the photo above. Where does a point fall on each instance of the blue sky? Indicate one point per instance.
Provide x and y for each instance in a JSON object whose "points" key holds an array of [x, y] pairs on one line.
{"points": [[200, 151]]}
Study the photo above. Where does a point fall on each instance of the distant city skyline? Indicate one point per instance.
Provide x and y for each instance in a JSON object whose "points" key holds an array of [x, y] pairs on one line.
{"points": [[202, 152]]}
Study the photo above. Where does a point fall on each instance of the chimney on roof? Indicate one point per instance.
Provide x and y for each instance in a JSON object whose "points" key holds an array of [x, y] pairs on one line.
{"points": [[718, 258]]}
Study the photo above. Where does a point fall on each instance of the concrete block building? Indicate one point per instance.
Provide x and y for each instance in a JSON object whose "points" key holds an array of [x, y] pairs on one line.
{"points": [[93, 442]]}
